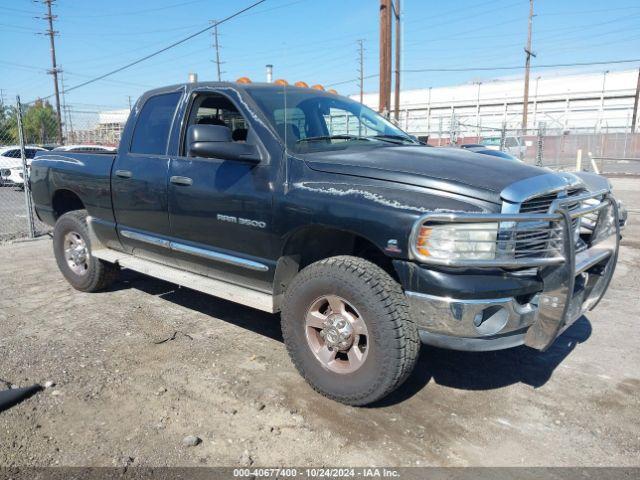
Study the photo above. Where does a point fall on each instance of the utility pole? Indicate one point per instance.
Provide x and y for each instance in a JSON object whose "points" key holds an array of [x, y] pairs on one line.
{"points": [[396, 96], [54, 68], [129, 98], [527, 67], [65, 110], [635, 106], [361, 68], [385, 58], [216, 45]]}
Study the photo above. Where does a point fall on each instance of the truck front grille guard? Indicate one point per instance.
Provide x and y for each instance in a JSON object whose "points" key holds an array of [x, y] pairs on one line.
{"points": [[574, 279], [526, 240]]}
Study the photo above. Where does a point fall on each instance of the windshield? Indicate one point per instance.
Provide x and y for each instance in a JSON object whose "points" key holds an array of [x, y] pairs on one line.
{"points": [[493, 141], [310, 121]]}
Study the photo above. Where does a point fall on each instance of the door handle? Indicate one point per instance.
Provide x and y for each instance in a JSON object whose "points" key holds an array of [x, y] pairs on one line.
{"points": [[123, 173], [185, 181]]}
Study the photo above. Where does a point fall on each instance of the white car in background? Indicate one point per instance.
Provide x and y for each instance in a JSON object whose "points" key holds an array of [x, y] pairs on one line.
{"points": [[11, 163]]}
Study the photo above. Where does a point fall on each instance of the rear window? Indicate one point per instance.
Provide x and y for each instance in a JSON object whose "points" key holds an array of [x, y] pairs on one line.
{"points": [[492, 142], [154, 122], [12, 154]]}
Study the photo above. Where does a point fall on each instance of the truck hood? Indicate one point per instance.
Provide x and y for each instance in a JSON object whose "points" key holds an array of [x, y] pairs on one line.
{"points": [[445, 169]]}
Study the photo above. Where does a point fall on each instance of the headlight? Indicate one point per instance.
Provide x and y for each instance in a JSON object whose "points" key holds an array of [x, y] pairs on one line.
{"points": [[605, 226], [460, 241]]}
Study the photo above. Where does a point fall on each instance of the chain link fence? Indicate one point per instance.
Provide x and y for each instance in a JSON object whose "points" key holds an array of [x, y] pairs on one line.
{"points": [[598, 149], [25, 130], [17, 219]]}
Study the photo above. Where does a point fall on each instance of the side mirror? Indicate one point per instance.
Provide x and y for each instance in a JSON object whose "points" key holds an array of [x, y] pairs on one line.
{"points": [[215, 141]]}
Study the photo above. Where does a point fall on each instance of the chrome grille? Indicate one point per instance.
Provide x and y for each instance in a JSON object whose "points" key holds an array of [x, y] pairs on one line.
{"points": [[535, 240], [539, 204]]}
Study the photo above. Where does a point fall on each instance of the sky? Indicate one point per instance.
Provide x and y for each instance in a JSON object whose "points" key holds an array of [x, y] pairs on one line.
{"points": [[310, 40]]}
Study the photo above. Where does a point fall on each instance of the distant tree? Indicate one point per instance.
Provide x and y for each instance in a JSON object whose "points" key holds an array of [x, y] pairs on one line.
{"points": [[38, 120], [40, 123], [8, 125]]}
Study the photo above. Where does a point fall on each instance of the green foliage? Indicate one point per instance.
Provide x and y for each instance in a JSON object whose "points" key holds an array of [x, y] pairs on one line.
{"points": [[38, 120], [40, 124], [8, 125]]}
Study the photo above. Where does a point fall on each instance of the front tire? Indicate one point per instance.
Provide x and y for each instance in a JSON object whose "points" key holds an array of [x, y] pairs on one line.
{"points": [[347, 328], [72, 249]]}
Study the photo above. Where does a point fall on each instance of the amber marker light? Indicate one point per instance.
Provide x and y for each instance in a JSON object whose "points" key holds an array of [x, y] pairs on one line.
{"points": [[422, 241], [281, 81], [317, 86], [301, 84], [243, 80]]}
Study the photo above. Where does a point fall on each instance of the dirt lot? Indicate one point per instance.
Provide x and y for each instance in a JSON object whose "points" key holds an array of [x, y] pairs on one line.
{"points": [[13, 217], [122, 398]]}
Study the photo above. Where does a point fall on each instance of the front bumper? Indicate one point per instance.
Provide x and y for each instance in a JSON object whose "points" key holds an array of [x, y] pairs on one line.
{"points": [[16, 178], [569, 289]]}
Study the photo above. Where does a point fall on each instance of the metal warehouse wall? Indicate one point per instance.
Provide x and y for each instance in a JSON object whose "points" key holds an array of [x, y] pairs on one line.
{"points": [[585, 103]]}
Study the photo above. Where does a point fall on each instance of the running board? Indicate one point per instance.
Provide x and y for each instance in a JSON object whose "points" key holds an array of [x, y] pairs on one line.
{"points": [[245, 296]]}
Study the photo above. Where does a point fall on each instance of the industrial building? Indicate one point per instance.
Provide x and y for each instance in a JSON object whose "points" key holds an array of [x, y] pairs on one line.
{"points": [[562, 104]]}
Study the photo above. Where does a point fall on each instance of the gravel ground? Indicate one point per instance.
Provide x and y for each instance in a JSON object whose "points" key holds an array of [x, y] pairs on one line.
{"points": [[144, 366], [13, 216]]}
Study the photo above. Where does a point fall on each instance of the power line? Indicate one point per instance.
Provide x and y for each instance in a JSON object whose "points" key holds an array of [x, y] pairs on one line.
{"points": [[136, 12], [480, 69], [158, 52], [581, 12], [550, 65]]}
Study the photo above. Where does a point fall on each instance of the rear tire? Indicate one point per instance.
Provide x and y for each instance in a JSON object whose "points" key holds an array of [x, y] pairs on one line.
{"points": [[359, 361], [72, 249]]}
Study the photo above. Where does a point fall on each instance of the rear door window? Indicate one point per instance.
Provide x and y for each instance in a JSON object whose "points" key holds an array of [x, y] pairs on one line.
{"points": [[12, 154], [151, 132]]}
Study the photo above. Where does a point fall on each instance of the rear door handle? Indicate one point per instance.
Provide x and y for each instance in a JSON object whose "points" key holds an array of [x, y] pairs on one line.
{"points": [[123, 173], [186, 181]]}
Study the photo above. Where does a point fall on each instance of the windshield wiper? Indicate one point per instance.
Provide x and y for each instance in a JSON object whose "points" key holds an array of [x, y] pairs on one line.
{"points": [[333, 137], [392, 139]]}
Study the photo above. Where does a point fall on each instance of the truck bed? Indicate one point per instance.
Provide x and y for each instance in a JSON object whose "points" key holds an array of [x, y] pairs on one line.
{"points": [[88, 175]]}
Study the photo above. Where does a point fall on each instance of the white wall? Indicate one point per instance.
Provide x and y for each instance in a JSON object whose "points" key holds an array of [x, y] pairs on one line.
{"points": [[563, 102]]}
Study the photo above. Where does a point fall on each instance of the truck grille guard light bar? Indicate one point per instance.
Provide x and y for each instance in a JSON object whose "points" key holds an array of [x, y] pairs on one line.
{"points": [[526, 240]]}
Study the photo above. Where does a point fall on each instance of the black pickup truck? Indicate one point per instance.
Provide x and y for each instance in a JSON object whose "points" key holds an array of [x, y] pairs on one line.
{"points": [[307, 203]]}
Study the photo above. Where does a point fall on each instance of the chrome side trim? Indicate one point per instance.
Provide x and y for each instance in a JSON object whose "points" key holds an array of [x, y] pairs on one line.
{"points": [[199, 252], [142, 237], [228, 291], [219, 257]]}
